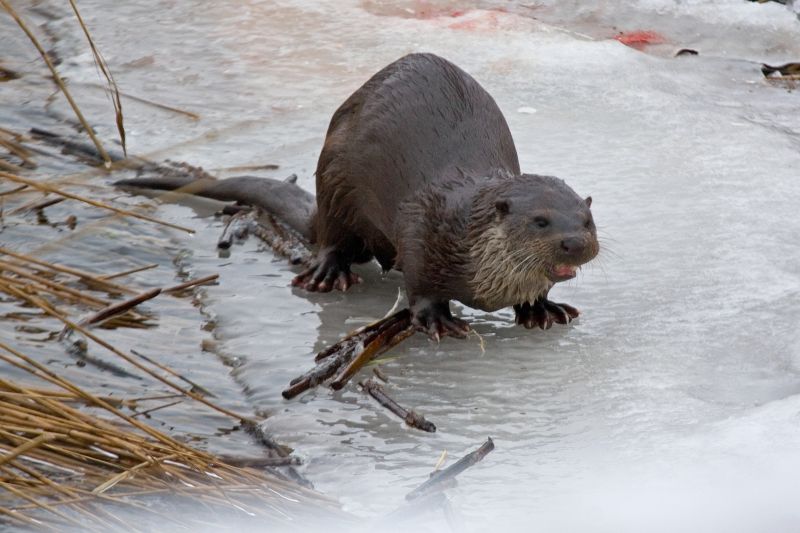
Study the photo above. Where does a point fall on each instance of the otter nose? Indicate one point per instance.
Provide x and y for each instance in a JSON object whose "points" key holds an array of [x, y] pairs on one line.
{"points": [[573, 246]]}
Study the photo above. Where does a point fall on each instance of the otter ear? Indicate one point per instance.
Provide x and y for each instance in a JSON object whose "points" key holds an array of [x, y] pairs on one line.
{"points": [[502, 206], [588, 201]]}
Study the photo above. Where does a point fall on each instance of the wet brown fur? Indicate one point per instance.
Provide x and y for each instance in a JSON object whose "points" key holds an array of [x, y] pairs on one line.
{"points": [[411, 171]]}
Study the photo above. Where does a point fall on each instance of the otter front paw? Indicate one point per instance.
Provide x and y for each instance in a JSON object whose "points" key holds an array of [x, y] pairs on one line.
{"points": [[435, 319], [543, 314], [327, 272]]}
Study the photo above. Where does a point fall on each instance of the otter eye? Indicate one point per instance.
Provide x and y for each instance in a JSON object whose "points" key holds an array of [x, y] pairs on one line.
{"points": [[541, 222], [588, 224]]}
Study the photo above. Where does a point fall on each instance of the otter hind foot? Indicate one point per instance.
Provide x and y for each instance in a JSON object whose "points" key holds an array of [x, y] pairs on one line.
{"points": [[435, 319], [543, 314], [329, 271]]}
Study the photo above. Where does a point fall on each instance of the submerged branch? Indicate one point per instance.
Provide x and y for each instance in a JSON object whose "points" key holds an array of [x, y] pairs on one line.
{"points": [[353, 352], [411, 417], [439, 479]]}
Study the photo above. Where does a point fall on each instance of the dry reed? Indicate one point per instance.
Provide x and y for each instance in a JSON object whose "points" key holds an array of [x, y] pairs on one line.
{"points": [[65, 467], [59, 81], [61, 467]]}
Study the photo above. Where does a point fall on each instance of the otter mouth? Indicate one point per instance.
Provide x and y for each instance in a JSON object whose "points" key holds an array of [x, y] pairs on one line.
{"points": [[562, 272]]}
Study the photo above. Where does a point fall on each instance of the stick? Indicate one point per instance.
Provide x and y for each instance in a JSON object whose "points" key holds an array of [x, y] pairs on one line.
{"points": [[15, 190], [283, 241], [380, 374], [124, 212], [354, 350], [119, 308], [146, 413], [195, 386], [38, 205], [259, 462], [128, 272], [371, 348], [191, 283], [191, 115], [438, 478], [236, 229], [412, 418], [312, 378]]}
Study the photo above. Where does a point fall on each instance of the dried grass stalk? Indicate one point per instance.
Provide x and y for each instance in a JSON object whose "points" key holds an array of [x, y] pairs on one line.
{"points": [[113, 89], [49, 188], [59, 81]]}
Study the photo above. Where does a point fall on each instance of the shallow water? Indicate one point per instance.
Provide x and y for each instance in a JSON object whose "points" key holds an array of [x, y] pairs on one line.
{"points": [[673, 403]]}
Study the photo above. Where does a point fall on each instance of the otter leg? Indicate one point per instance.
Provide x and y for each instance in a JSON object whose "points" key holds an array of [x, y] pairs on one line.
{"points": [[543, 313], [330, 270], [435, 319]]}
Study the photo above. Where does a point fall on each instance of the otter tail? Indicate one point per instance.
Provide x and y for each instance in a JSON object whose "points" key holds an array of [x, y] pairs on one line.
{"points": [[284, 199]]}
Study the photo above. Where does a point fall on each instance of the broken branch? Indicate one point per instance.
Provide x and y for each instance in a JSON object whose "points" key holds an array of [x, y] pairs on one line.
{"points": [[412, 418], [439, 479]]}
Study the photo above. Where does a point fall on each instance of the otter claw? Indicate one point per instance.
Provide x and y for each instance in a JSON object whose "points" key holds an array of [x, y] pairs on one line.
{"points": [[437, 322], [326, 274], [445, 328], [543, 314]]}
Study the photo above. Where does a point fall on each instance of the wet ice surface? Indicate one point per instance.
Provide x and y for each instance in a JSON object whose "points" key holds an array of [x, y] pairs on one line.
{"points": [[674, 403]]}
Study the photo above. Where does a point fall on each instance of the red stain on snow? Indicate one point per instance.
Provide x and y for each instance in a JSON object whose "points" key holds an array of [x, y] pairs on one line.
{"points": [[640, 39], [478, 19]]}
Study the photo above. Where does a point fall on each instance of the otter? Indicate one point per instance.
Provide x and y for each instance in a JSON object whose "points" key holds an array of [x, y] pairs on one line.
{"points": [[420, 172]]}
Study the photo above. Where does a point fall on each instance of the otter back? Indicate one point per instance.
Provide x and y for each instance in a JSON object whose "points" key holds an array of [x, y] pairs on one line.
{"points": [[419, 121]]}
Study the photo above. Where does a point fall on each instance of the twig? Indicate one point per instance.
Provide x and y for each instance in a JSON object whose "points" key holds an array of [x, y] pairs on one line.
{"points": [[412, 418], [15, 190], [128, 272], [119, 308], [380, 374], [191, 115], [372, 346], [355, 350], [191, 283], [195, 386], [282, 240], [236, 229], [59, 81], [439, 478], [38, 204], [124, 212], [260, 462], [157, 408]]}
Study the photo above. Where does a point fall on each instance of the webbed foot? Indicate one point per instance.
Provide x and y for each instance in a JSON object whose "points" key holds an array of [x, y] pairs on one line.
{"points": [[543, 314], [435, 319], [326, 273]]}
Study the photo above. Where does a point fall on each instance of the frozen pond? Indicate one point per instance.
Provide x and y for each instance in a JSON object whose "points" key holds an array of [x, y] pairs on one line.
{"points": [[672, 404]]}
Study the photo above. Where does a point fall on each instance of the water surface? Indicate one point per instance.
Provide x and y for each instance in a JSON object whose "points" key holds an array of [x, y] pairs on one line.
{"points": [[673, 403]]}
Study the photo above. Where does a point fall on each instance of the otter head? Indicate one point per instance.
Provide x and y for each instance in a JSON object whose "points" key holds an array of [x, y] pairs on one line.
{"points": [[534, 231]]}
